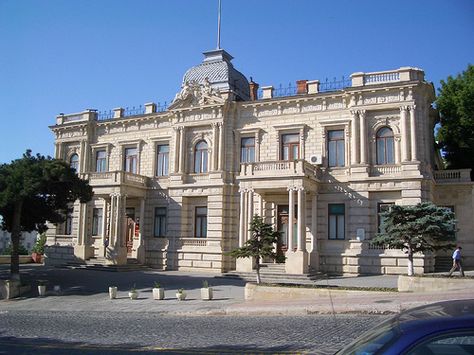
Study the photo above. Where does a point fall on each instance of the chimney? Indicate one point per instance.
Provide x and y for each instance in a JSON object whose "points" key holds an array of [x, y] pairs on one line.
{"points": [[253, 90], [301, 87]]}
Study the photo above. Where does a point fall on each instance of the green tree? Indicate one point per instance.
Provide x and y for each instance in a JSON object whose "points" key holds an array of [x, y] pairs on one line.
{"points": [[417, 228], [35, 190], [456, 107], [261, 243]]}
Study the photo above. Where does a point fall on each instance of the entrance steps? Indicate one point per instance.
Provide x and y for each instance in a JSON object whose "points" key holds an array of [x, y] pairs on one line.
{"points": [[100, 264], [275, 273]]}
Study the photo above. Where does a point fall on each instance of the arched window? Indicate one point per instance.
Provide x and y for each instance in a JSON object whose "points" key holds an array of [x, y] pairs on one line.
{"points": [[385, 146], [74, 162], [200, 157]]}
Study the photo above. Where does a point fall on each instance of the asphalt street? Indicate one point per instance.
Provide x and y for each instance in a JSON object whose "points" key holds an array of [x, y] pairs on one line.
{"points": [[49, 332]]}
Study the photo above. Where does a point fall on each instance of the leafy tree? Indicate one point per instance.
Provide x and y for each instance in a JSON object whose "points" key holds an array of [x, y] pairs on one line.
{"points": [[419, 228], [35, 190], [456, 106], [260, 244]]}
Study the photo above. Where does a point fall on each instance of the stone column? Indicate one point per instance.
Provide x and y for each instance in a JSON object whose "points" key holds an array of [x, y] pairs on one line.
{"points": [[250, 212], [363, 137], [82, 249], [176, 149], [221, 147], [301, 227], [104, 227], [397, 149], [302, 145], [291, 217], [414, 150], [242, 218], [354, 139], [140, 248], [215, 138], [245, 264], [403, 133], [182, 150]]}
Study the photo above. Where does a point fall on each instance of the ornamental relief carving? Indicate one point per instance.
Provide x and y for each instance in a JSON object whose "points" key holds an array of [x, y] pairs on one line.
{"points": [[380, 99]]}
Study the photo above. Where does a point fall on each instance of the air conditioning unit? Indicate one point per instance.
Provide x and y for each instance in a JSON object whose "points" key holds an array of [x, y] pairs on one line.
{"points": [[316, 159]]}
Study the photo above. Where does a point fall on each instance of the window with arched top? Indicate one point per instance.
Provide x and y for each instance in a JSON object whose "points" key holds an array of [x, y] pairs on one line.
{"points": [[74, 162], [385, 146], [200, 157]]}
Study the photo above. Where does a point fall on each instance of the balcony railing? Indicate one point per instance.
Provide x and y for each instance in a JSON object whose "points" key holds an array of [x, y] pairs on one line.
{"points": [[380, 170], [278, 168], [117, 178], [452, 176]]}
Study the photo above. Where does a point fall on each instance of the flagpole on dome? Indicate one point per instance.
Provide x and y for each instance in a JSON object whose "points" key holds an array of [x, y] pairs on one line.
{"points": [[219, 26]]}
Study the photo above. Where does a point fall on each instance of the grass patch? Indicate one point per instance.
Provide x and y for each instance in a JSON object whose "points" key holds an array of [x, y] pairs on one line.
{"points": [[331, 287]]}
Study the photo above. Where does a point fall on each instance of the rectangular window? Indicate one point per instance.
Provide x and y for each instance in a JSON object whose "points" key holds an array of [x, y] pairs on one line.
{"points": [[382, 207], [68, 223], [97, 219], [290, 148], [101, 161], [201, 222], [336, 221], [160, 222], [162, 160], [131, 159], [247, 150], [336, 151]]}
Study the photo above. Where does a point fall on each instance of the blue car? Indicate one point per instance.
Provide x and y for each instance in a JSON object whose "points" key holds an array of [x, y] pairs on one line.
{"points": [[444, 328]]}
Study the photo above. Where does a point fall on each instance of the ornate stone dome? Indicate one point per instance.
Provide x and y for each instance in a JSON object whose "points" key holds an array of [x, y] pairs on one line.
{"points": [[220, 72]]}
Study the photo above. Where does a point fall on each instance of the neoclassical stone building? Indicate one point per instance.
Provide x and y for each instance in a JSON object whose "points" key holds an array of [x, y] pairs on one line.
{"points": [[176, 187]]}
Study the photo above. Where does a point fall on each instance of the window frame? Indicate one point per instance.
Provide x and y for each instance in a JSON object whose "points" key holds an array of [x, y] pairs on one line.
{"points": [[247, 149], [162, 167], [102, 167], [200, 231], [74, 165], [201, 156], [162, 220], [337, 224], [336, 147], [387, 141], [290, 146], [130, 159], [97, 221]]}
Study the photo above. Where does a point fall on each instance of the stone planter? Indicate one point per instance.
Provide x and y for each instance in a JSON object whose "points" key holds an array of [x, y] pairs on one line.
{"points": [[181, 296], [133, 295], [112, 292], [206, 293], [158, 293], [42, 290]]}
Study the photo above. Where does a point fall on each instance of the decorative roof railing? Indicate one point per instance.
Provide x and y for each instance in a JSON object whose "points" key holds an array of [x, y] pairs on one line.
{"points": [[292, 90], [132, 111]]}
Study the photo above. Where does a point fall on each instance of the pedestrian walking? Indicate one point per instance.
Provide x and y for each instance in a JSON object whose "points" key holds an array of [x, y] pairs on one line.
{"points": [[457, 265]]}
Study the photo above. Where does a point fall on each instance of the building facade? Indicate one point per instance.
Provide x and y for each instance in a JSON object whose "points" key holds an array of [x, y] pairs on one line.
{"points": [[176, 187]]}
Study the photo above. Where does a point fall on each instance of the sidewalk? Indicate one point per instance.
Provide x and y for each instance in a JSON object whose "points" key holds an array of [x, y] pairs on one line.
{"points": [[84, 290]]}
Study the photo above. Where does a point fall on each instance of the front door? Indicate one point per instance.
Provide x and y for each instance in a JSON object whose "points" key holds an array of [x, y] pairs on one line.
{"points": [[282, 225], [130, 231]]}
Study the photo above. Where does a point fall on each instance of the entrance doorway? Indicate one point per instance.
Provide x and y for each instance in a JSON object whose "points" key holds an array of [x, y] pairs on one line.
{"points": [[282, 226]]}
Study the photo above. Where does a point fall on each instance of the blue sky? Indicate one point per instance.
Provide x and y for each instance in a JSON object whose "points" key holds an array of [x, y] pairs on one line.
{"points": [[67, 56]]}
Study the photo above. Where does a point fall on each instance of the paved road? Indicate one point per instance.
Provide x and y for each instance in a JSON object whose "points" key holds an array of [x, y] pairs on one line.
{"points": [[47, 332]]}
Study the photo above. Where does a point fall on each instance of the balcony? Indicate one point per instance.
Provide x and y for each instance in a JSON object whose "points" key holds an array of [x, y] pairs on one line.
{"points": [[386, 170], [452, 176], [279, 169], [117, 178]]}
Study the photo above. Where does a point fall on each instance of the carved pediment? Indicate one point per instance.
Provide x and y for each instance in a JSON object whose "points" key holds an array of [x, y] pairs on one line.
{"points": [[193, 94]]}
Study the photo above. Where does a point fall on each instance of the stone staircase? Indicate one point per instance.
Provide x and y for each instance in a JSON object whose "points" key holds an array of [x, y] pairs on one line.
{"points": [[100, 264], [275, 273]]}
